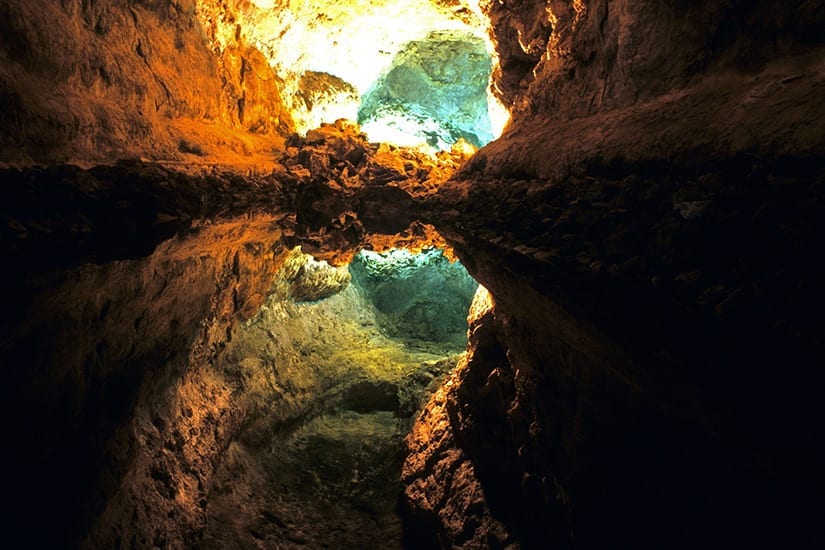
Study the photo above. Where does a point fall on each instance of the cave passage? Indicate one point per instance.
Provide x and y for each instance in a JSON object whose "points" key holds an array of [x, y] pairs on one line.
{"points": [[413, 74], [641, 368], [347, 357], [434, 92]]}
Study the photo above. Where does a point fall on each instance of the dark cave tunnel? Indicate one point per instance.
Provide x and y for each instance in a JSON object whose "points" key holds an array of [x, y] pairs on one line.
{"points": [[235, 319]]}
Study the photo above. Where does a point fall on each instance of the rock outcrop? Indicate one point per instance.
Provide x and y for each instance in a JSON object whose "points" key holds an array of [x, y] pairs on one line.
{"points": [[419, 296], [331, 53], [100, 81], [611, 84], [643, 373], [162, 315], [434, 92], [648, 229], [350, 194], [94, 354]]}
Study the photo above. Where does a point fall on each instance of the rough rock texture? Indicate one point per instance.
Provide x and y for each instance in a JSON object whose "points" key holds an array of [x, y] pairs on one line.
{"points": [[442, 490], [310, 280], [120, 346], [100, 80], [644, 325], [351, 42], [650, 228], [351, 194], [328, 400], [627, 82], [322, 97], [650, 231], [435, 91], [86, 349], [420, 297], [295, 382], [335, 192]]}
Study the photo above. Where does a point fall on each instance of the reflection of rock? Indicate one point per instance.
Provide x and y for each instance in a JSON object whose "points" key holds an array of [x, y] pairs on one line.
{"points": [[144, 361], [328, 400], [418, 296], [444, 500], [312, 280], [435, 90], [351, 194]]}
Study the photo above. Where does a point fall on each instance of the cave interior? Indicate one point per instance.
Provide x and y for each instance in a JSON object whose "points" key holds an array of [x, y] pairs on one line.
{"points": [[436, 274]]}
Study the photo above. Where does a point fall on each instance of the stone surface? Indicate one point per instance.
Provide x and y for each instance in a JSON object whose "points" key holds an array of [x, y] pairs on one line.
{"points": [[351, 194], [647, 229], [354, 41], [419, 297], [624, 375], [95, 356], [445, 503], [119, 344], [434, 92], [311, 280], [328, 400], [595, 82], [649, 226], [326, 98], [100, 81]]}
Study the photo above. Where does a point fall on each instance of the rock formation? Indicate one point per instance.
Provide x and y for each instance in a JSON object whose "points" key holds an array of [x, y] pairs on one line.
{"points": [[641, 370], [435, 90], [644, 375], [99, 81]]}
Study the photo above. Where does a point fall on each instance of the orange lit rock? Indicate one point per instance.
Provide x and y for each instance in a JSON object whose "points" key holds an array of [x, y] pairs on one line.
{"points": [[443, 496], [109, 80], [650, 226]]}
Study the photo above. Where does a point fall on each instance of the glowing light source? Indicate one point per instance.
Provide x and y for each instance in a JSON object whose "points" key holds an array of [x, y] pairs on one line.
{"points": [[356, 41]]}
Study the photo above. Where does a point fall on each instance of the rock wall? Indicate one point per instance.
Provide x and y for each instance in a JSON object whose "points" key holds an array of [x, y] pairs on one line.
{"points": [[649, 228], [418, 297], [97, 81], [123, 298], [129, 367], [646, 227], [353, 43], [612, 83], [435, 91], [89, 350]]}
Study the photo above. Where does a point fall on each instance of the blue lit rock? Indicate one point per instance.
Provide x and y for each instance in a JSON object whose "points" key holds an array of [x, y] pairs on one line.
{"points": [[419, 297], [435, 90]]}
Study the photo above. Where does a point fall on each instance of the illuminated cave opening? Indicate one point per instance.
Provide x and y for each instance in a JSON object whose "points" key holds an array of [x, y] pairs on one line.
{"points": [[435, 92], [345, 358], [420, 298], [412, 73]]}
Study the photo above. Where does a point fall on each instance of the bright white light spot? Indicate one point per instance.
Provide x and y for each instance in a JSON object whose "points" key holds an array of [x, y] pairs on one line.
{"points": [[355, 40], [398, 130], [498, 113], [264, 4], [399, 262]]}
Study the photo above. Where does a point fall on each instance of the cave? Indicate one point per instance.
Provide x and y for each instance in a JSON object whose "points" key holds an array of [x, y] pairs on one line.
{"points": [[442, 274]]}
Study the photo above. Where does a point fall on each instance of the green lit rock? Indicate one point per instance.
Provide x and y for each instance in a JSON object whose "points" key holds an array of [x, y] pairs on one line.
{"points": [[418, 297], [435, 90]]}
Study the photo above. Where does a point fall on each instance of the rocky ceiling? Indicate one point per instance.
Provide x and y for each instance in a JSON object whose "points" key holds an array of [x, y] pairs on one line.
{"points": [[641, 371]]}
